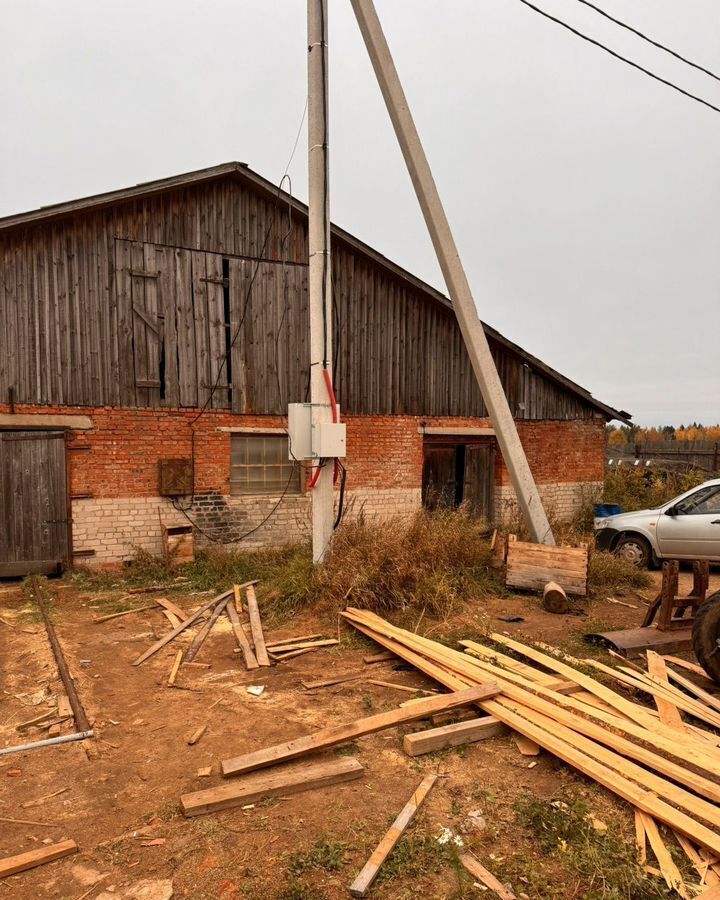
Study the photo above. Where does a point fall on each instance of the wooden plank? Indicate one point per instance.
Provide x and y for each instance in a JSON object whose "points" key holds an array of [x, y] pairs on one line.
{"points": [[481, 874], [172, 607], [370, 870], [276, 645], [259, 786], [707, 875], [524, 745], [669, 714], [691, 667], [243, 643], [328, 682], [454, 735], [175, 667], [119, 615], [338, 734], [303, 645], [11, 865], [158, 645], [256, 627], [670, 871], [695, 689], [199, 639], [399, 687]]}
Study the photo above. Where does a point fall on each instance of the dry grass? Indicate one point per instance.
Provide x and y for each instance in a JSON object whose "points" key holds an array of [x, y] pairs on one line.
{"points": [[641, 488], [607, 574], [428, 563]]}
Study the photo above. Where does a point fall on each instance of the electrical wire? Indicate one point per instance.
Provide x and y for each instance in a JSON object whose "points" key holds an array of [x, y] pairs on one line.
{"points": [[624, 59], [236, 540], [650, 40]]}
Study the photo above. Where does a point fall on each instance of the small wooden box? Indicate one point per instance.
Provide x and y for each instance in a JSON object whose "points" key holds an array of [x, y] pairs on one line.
{"points": [[179, 544]]}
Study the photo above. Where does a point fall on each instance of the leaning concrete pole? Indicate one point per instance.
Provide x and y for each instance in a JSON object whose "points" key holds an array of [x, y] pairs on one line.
{"points": [[453, 272], [319, 276]]}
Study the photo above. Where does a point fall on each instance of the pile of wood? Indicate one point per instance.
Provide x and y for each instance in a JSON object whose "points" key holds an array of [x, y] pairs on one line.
{"points": [[664, 765], [249, 636]]}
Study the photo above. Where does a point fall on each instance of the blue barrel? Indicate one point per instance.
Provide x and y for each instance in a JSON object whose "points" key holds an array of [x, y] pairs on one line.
{"points": [[603, 510]]}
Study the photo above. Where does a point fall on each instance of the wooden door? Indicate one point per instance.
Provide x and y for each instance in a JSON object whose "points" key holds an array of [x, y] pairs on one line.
{"points": [[34, 526], [479, 487], [439, 484]]}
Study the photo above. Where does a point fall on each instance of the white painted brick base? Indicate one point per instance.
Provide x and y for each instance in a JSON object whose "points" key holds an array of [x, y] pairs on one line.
{"points": [[562, 500], [116, 528]]}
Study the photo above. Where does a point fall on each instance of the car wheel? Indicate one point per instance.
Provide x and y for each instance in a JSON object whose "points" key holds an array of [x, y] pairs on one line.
{"points": [[705, 635], [633, 549]]}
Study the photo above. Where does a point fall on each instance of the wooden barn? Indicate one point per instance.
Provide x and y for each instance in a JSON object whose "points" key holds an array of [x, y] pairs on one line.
{"points": [[150, 342]]}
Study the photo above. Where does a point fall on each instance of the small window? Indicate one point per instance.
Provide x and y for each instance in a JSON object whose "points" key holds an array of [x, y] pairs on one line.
{"points": [[259, 464]]}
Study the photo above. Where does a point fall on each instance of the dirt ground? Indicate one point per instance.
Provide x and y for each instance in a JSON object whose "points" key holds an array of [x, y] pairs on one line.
{"points": [[117, 796]]}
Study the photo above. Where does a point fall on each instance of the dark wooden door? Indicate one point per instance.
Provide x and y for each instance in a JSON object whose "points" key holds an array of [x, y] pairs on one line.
{"points": [[479, 488], [439, 484], [34, 525]]}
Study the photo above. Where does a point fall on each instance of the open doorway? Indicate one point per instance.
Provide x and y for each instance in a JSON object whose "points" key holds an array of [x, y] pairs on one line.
{"points": [[459, 470]]}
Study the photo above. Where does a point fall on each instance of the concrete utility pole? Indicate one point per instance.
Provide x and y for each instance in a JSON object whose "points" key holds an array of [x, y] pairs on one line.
{"points": [[319, 279], [453, 272]]}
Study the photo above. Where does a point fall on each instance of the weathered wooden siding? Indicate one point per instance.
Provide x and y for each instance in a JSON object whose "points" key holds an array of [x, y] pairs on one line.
{"points": [[135, 305]]}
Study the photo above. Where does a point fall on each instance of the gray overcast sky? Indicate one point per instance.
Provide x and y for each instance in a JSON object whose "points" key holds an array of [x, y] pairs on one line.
{"points": [[584, 196]]}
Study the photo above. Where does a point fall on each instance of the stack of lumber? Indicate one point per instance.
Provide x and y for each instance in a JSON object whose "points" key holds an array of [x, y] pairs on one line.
{"points": [[669, 774], [532, 566]]}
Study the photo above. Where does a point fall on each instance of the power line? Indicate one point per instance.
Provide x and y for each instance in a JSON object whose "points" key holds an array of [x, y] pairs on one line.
{"points": [[624, 59], [640, 34]]}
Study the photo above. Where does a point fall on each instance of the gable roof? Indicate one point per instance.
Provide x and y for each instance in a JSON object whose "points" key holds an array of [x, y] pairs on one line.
{"points": [[245, 173]]}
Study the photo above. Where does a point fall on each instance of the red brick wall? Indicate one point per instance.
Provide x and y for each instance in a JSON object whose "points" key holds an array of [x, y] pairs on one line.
{"points": [[383, 451]]}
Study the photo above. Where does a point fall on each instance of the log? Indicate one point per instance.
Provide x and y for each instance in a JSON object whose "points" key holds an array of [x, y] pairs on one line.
{"points": [[454, 735], [555, 599], [11, 865], [338, 734], [259, 786], [369, 871]]}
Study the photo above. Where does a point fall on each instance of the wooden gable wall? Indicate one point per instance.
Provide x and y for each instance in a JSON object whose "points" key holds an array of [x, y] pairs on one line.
{"points": [[137, 304]]}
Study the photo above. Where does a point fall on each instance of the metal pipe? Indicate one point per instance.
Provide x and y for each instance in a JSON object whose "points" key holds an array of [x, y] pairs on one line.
{"points": [[48, 742]]}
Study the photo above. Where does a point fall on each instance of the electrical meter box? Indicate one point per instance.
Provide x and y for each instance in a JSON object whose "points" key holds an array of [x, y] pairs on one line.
{"points": [[307, 441]]}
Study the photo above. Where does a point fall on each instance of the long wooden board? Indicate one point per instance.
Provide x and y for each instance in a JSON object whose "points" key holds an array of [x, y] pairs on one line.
{"points": [[256, 627], [669, 714], [259, 786], [454, 735], [158, 645], [243, 643], [338, 734], [369, 871], [11, 865], [199, 639], [485, 876]]}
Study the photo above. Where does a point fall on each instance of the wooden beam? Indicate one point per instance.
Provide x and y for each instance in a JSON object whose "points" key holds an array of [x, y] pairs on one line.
{"points": [[199, 639], [158, 645], [283, 782], [454, 735], [369, 871], [669, 714], [484, 876], [125, 612], [338, 734], [11, 865], [256, 627], [243, 643]]}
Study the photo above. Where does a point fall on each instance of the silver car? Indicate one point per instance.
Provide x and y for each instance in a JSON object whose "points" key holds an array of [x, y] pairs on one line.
{"points": [[687, 527]]}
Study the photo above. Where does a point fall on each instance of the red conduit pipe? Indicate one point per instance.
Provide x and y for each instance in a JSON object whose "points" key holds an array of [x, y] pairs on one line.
{"points": [[312, 481]]}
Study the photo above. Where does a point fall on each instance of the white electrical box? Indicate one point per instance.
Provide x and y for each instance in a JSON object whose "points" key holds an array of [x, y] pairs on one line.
{"points": [[322, 440], [328, 440]]}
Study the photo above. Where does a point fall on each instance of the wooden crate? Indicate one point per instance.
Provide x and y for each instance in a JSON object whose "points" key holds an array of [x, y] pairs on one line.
{"points": [[178, 543], [531, 566]]}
